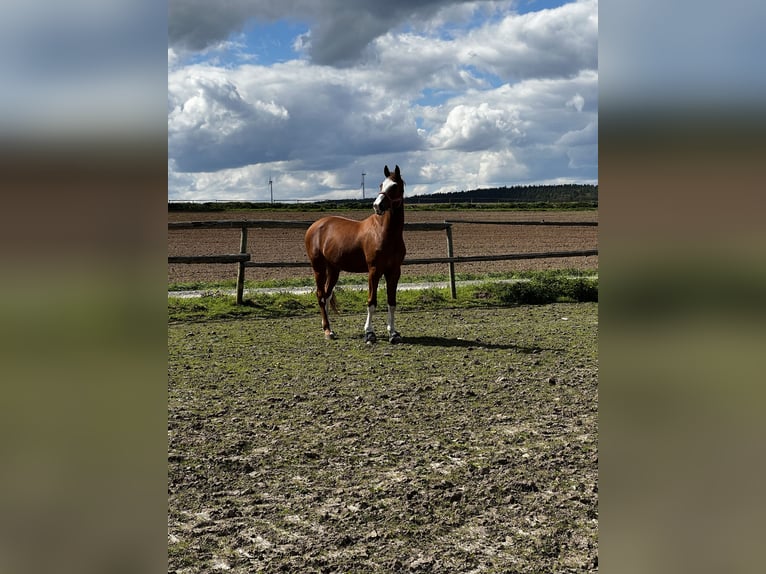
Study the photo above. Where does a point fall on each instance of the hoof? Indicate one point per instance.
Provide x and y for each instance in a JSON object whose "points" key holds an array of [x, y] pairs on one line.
{"points": [[370, 338], [330, 335], [394, 338]]}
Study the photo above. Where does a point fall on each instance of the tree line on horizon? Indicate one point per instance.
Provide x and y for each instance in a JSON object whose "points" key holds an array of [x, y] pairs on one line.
{"points": [[561, 193], [525, 194]]}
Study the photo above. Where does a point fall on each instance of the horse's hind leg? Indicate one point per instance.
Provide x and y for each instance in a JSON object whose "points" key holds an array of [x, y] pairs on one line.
{"points": [[321, 280], [330, 282]]}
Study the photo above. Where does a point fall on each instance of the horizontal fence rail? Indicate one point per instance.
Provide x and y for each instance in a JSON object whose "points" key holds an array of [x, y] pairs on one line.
{"points": [[275, 223], [233, 258], [241, 224], [508, 257], [243, 258], [527, 223], [463, 259]]}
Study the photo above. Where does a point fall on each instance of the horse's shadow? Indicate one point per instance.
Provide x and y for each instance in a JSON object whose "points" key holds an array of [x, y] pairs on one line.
{"points": [[468, 343]]}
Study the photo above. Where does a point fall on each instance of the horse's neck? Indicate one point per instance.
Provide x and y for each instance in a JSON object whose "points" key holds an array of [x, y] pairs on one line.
{"points": [[394, 220]]}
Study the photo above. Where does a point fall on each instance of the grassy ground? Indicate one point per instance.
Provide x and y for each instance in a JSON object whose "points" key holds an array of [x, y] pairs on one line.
{"points": [[361, 279], [536, 288], [472, 446]]}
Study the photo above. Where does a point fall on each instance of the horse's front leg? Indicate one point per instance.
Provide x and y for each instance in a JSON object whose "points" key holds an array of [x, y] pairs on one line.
{"points": [[392, 282], [373, 278]]}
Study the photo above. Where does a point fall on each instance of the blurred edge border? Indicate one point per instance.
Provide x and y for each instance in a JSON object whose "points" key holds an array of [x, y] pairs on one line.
{"points": [[682, 279], [84, 343], [83, 313]]}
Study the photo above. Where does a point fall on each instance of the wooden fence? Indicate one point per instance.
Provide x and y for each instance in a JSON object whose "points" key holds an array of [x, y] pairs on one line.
{"points": [[243, 259]]}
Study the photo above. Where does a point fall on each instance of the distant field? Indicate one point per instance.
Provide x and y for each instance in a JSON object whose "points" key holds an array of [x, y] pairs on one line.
{"points": [[470, 447], [287, 244]]}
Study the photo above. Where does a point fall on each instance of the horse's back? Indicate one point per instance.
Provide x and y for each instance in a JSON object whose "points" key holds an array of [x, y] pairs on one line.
{"points": [[328, 230], [335, 240]]}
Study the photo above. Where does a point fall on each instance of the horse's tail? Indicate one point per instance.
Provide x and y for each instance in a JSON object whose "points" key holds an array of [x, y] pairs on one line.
{"points": [[333, 303]]}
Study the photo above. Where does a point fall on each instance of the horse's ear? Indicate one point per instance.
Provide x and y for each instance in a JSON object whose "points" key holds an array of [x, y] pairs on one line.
{"points": [[398, 174], [386, 172]]}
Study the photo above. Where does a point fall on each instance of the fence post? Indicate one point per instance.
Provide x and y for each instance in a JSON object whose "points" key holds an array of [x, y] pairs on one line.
{"points": [[241, 270], [450, 254]]}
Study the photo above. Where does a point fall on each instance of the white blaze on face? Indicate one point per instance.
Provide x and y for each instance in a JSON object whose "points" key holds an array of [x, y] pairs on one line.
{"points": [[384, 187]]}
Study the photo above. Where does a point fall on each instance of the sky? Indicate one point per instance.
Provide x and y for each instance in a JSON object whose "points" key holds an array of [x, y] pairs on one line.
{"points": [[311, 94]]}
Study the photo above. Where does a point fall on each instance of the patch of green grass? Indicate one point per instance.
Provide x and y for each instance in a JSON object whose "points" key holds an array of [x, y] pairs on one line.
{"points": [[225, 284], [361, 279], [225, 307], [541, 288], [231, 284]]}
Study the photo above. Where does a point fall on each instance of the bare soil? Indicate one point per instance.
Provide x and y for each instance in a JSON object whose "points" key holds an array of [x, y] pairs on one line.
{"points": [[470, 447], [270, 245]]}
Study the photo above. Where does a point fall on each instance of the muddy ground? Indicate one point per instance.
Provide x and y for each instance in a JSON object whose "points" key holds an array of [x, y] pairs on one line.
{"points": [[287, 244], [470, 447]]}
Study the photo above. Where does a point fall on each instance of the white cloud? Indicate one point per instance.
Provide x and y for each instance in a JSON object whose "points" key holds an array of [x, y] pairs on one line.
{"points": [[471, 128], [548, 43], [340, 29], [510, 101], [290, 111], [211, 126], [577, 102], [499, 166], [581, 146]]}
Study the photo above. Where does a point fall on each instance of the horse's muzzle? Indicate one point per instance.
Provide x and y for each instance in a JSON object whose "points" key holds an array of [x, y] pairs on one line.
{"points": [[378, 206]]}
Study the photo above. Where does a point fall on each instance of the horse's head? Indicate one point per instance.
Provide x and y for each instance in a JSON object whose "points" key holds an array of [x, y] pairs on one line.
{"points": [[391, 192]]}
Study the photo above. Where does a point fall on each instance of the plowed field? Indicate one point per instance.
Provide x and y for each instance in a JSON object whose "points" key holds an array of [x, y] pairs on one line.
{"points": [[268, 245]]}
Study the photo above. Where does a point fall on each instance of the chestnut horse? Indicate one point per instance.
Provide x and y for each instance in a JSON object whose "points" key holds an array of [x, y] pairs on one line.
{"points": [[374, 246]]}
